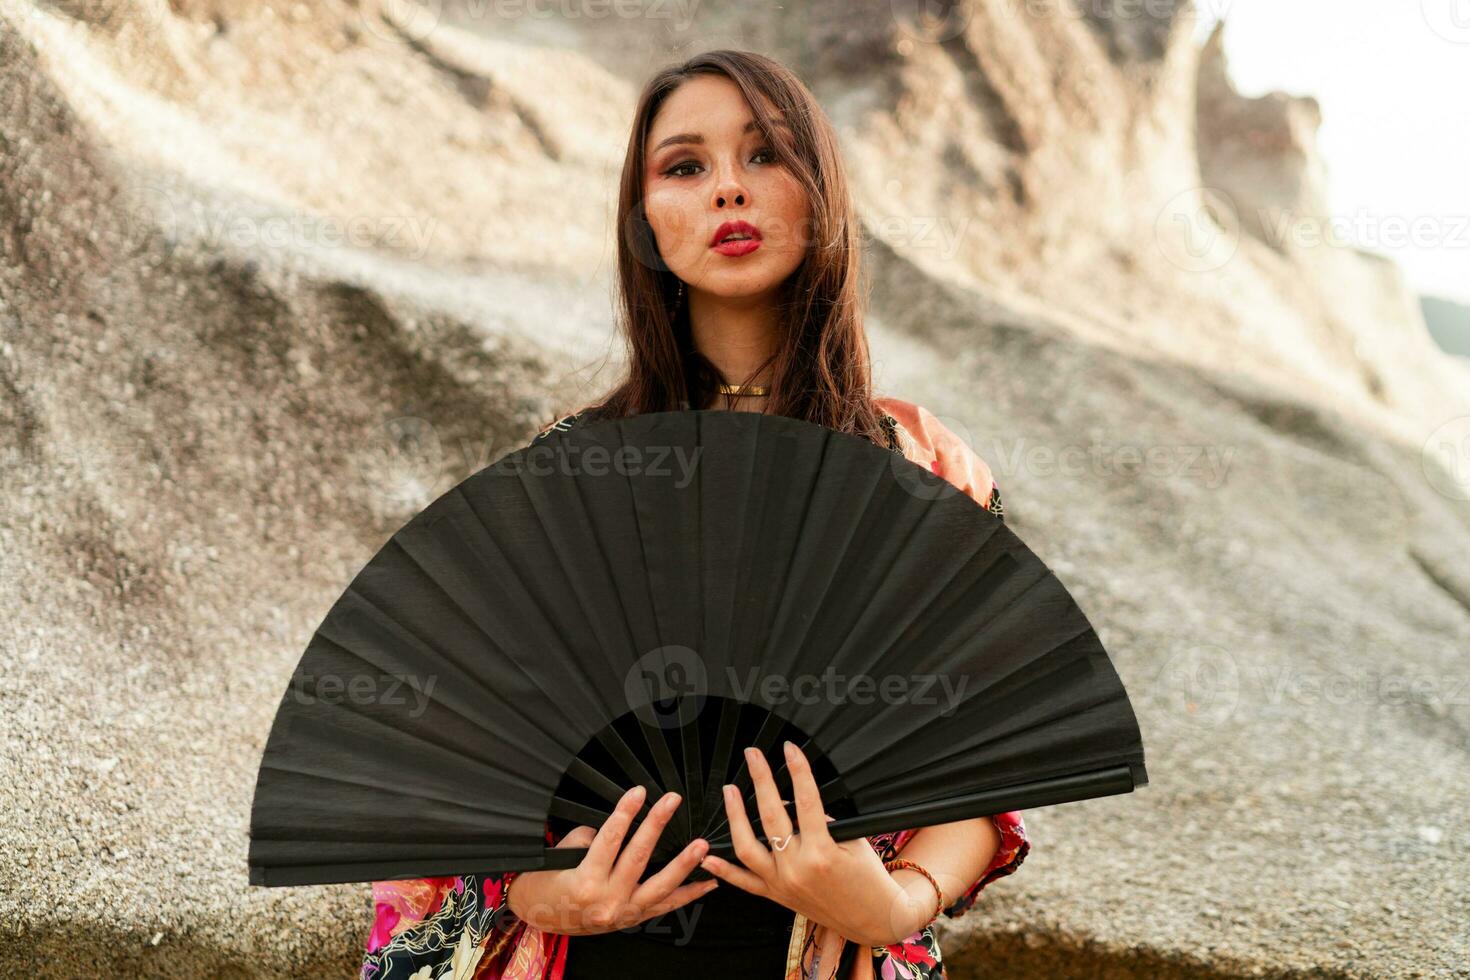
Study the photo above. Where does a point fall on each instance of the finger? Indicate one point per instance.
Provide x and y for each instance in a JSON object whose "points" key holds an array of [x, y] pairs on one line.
{"points": [[734, 874], [635, 856], [774, 820], [604, 847], [660, 886], [751, 852], [682, 895], [810, 816], [578, 837]]}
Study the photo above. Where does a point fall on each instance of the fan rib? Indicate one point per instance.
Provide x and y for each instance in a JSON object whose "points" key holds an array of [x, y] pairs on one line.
{"points": [[489, 767], [565, 565], [452, 595], [1105, 694], [663, 758], [314, 774], [813, 482], [905, 726], [938, 770], [856, 533], [894, 633], [502, 704], [434, 808], [723, 755], [771, 726]]}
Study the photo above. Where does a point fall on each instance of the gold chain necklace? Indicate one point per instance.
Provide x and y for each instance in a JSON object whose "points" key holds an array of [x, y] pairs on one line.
{"points": [[728, 389]]}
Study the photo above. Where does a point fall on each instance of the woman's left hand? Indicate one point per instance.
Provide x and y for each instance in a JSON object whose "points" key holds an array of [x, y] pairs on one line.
{"points": [[839, 884]]}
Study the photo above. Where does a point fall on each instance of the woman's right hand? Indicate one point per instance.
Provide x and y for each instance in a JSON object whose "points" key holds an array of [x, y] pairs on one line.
{"points": [[603, 893]]}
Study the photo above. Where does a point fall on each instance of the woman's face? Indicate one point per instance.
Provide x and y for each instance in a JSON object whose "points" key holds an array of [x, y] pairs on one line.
{"points": [[693, 186]]}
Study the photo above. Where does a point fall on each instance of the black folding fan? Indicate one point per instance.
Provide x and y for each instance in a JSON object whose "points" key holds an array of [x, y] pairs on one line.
{"points": [[634, 601]]}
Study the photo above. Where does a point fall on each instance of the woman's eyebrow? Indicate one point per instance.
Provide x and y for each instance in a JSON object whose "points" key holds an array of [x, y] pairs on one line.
{"points": [[699, 137]]}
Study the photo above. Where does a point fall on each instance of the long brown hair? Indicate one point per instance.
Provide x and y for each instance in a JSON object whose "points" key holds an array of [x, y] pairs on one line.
{"points": [[820, 370]]}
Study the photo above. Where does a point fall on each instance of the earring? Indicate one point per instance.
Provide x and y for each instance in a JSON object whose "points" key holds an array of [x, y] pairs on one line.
{"points": [[680, 296]]}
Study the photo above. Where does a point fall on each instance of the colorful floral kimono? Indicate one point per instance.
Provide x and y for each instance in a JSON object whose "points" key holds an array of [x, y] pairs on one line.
{"points": [[461, 928]]}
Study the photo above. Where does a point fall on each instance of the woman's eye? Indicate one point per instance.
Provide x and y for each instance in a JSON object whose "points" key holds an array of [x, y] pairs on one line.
{"points": [[674, 171]]}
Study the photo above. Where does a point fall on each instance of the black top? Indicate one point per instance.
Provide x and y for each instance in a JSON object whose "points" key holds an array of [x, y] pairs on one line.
{"points": [[726, 933]]}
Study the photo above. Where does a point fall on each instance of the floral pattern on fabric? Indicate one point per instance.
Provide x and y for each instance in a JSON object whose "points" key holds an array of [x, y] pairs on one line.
{"points": [[461, 927]]}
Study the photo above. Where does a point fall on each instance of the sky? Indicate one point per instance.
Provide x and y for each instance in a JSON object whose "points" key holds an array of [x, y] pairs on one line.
{"points": [[1393, 79]]}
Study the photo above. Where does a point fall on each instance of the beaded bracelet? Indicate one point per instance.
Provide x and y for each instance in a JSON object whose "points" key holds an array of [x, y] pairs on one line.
{"points": [[897, 863]]}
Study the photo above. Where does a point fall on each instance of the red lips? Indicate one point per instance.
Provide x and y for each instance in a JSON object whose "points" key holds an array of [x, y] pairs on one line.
{"points": [[735, 228]]}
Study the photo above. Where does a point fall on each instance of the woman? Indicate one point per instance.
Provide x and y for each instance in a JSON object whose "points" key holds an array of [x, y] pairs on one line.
{"points": [[739, 265]]}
